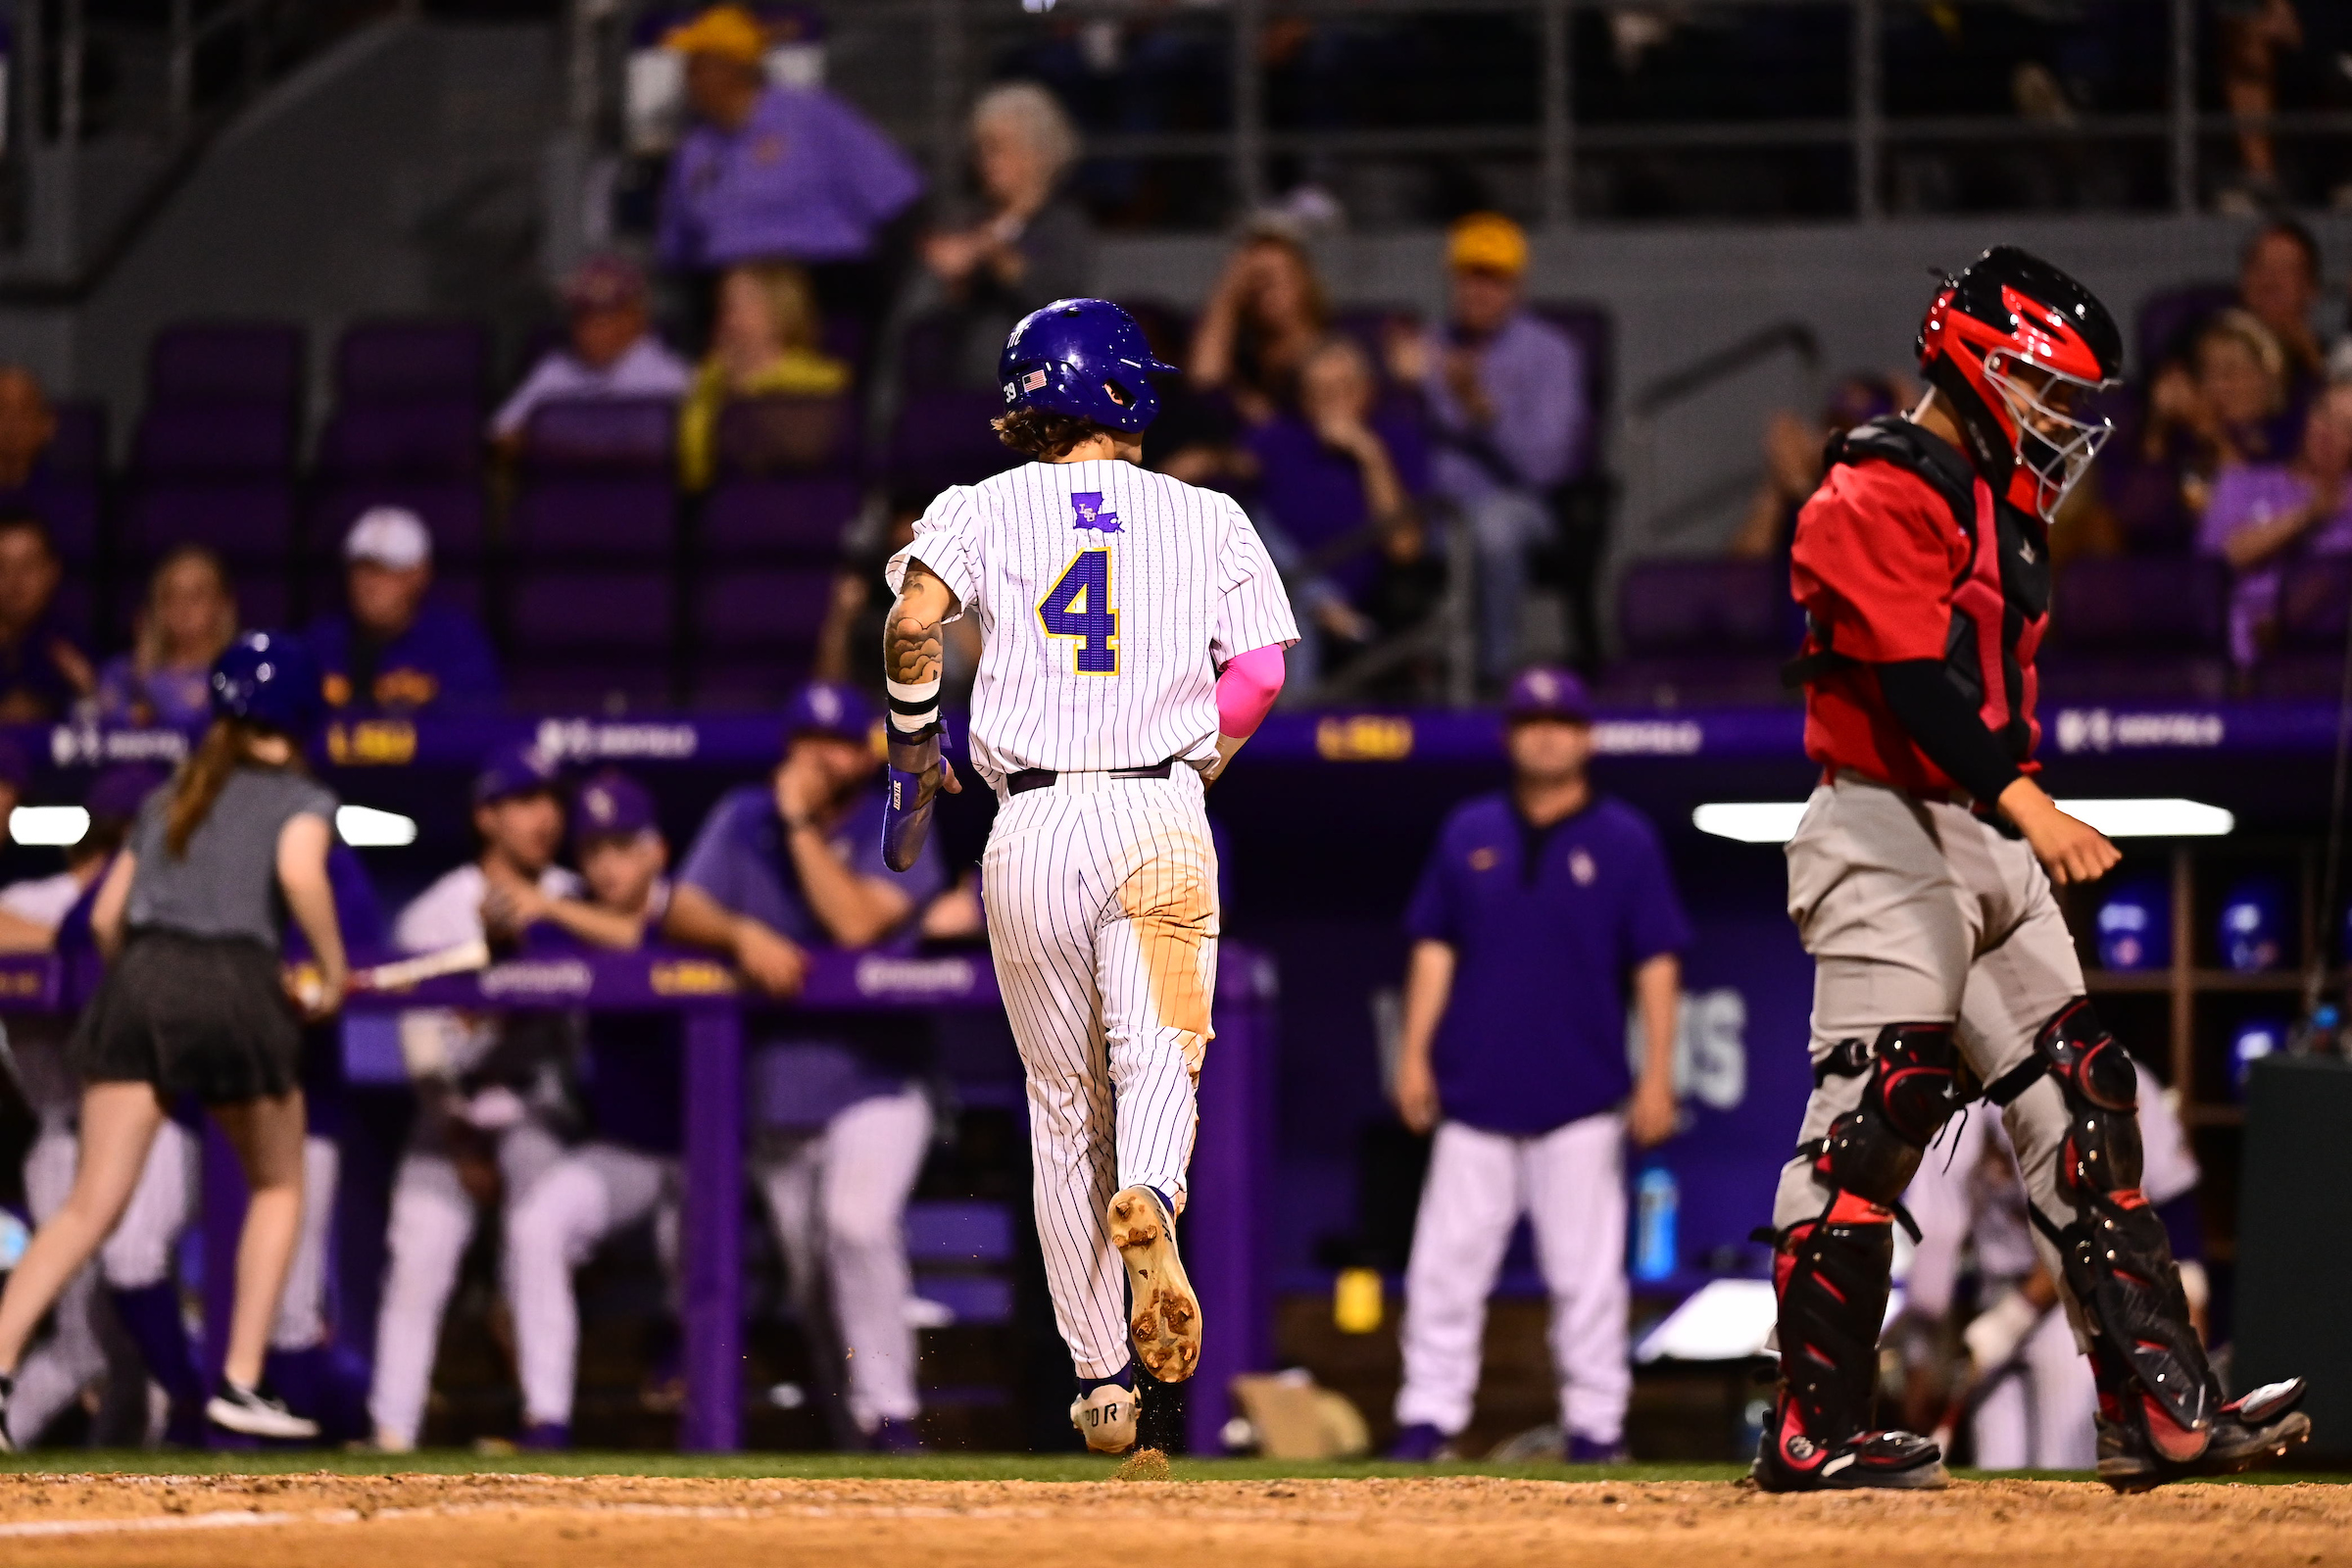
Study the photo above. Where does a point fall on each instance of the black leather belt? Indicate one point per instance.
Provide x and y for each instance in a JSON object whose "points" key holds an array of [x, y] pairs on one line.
{"points": [[1038, 778]]}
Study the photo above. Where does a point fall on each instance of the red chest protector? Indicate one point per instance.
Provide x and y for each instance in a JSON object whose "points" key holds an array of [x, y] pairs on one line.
{"points": [[2000, 595]]}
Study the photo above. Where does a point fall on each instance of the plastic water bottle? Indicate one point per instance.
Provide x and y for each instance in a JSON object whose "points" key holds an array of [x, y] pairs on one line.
{"points": [[1658, 1195], [14, 1238]]}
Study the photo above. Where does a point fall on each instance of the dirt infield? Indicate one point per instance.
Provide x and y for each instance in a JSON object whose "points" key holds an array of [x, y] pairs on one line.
{"points": [[522, 1521]]}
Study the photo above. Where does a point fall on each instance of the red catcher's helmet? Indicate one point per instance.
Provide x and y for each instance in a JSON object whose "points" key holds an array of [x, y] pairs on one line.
{"points": [[2019, 348]]}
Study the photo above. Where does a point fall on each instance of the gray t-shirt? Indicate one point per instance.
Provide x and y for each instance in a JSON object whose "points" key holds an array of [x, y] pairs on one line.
{"points": [[226, 885]]}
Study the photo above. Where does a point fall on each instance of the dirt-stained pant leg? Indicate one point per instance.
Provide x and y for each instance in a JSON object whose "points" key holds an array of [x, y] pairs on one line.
{"points": [[1102, 925]]}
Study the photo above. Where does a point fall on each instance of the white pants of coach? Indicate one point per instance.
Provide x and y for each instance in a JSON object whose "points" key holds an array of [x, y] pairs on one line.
{"points": [[838, 1197], [1102, 923], [1570, 1183], [591, 1194], [2043, 1416]]}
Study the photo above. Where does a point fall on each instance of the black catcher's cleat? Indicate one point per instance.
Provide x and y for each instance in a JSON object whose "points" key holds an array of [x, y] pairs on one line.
{"points": [[1788, 1461], [2250, 1432]]}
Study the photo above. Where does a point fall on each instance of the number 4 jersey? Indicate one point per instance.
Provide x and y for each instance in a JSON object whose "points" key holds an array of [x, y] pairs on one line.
{"points": [[1108, 599]]}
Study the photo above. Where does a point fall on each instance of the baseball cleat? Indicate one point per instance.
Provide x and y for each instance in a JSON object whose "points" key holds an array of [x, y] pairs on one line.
{"points": [[2249, 1433], [1166, 1326], [1788, 1461], [1106, 1418], [257, 1413]]}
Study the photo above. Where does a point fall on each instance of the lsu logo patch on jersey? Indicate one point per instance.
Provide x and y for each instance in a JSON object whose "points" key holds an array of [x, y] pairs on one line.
{"points": [[1087, 505]]}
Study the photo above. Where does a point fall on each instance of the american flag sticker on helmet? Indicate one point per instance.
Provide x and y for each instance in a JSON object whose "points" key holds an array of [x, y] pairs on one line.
{"points": [[1033, 380]]}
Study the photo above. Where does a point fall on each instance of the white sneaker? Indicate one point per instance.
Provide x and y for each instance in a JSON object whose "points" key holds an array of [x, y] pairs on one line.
{"points": [[255, 1413], [1107, 1417], [1166, 1327]]}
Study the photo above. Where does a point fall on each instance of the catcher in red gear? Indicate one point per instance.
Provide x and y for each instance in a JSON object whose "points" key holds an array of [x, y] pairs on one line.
{"points": [[1921, 882]]}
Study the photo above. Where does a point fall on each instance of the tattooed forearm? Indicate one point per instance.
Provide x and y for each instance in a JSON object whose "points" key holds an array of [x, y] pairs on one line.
{"points": [[911, 634]]}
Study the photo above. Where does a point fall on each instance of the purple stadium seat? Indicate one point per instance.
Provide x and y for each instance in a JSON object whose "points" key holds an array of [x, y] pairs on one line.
{"points": [[247, 361], [615, 515], [415, 439], [215, 439], [1700, 632], [577, 686], [413, 359], [79, 446], [762, 437], [747, 683], [800, 519], [71, 504], [2137, 627], [2166, 319], [455, 513], [615, 612], [761, 609], [943, 438], [2315, 606], [576, 435], [248, 521]]}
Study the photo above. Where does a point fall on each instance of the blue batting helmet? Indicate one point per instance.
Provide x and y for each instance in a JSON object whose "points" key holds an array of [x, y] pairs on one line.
{"points": [[1085, 358], [267, 678]]}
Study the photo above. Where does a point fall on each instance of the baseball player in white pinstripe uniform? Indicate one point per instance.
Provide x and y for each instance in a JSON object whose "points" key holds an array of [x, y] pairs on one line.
{"points": [[1134, 629]]}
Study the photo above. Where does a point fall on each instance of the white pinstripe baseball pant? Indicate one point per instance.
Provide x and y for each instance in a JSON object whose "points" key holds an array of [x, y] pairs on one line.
{"points": [[1103, 922]]}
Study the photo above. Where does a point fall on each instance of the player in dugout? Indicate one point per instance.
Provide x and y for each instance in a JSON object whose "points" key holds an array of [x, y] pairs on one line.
{"points": [[1538, 909], [1921, 880], [840, 1114], [626, 1171], [493, 1092]]}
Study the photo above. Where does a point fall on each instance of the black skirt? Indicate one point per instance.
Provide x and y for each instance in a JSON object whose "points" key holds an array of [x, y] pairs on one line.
{"points": [[192, 1015]]}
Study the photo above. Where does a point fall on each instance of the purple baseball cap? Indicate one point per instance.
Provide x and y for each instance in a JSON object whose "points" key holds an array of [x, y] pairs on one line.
{"points": [[117, 792], [1546, 690], [611, 805], [518, 767], [829, 708]]}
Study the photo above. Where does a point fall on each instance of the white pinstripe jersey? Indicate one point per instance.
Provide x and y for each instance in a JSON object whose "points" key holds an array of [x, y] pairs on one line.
{"points": [[1108, 599]]}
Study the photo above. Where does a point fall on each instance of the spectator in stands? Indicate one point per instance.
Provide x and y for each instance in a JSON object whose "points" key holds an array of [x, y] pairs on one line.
{"points": [[627, 1171], [1505, 394], [1333, 479], [43, 674], [397, 649], [777, 869], [2278, 282], [2265, 517], [774, 172], [2249, 34], [861, 599], [190, 615], [1793, 459], [2220, 406], [492, 1097], [27, 425], [1036, 244], [612, 350], [765, 344], [1264, 318]]}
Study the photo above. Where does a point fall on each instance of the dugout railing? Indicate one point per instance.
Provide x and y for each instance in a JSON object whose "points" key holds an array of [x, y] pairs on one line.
{"points": [[1221, 1226]]}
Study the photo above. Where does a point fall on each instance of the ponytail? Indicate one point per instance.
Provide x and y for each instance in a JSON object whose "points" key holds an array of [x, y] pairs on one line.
{"points": [[201, 781]]}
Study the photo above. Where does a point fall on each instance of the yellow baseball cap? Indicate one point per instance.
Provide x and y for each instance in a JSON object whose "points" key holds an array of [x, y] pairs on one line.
{"points": [[727, 31], [1487, 242]]}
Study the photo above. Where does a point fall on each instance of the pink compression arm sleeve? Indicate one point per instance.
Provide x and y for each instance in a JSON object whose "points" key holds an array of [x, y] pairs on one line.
{"points": [[1246, 689]]}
